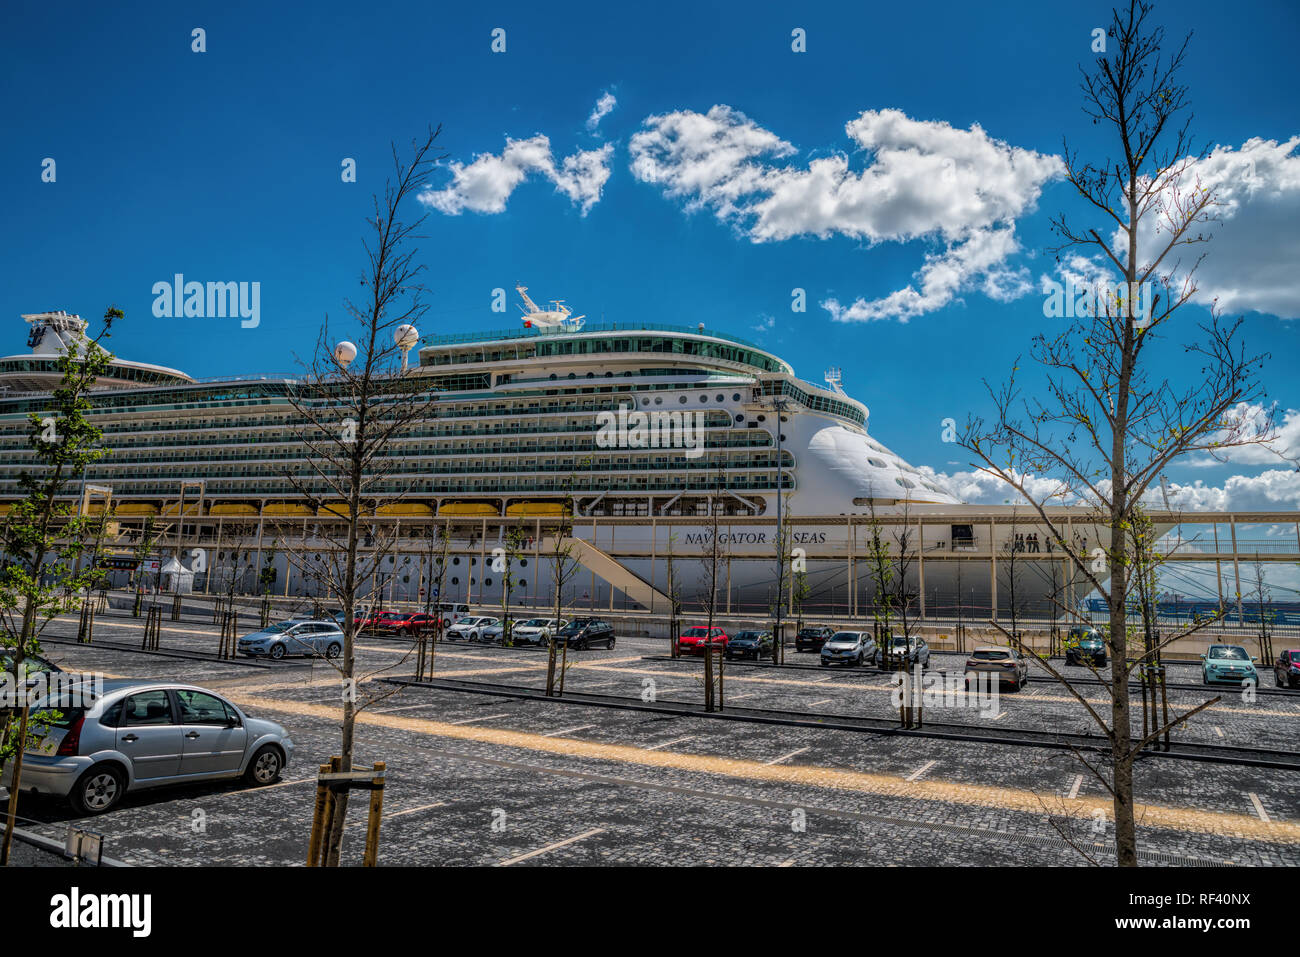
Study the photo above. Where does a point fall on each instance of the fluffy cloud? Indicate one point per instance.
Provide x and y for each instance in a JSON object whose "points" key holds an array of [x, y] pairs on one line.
{"points": [[1270, 490], [1283, 444], [926, 179], [981, 488], [1274, 489], [485, 184], [1250, 262], [604, 106]]}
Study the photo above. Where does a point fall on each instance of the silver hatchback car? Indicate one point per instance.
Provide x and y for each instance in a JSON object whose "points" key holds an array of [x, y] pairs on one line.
{"points": [[297, 636], [129, 735]]}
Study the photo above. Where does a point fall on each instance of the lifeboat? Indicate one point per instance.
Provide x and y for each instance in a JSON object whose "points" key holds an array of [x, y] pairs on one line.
{"points": [[127, 509], [234, 508], [405, 510], [287, 508], [476, 509], [548, 509]]}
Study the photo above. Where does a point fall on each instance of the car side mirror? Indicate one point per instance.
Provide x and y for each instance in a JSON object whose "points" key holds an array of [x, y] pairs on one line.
{"points": [[232, 722]]}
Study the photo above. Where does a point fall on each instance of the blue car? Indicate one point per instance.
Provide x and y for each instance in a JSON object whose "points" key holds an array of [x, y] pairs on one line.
{"points": [[1228, 663]]}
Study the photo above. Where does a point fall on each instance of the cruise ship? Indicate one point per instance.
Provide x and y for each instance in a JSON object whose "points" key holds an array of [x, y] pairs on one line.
{"points": [[527, 422]]}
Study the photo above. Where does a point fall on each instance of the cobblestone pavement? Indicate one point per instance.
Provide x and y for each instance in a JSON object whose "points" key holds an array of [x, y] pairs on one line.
{"points": [[485, 779]]}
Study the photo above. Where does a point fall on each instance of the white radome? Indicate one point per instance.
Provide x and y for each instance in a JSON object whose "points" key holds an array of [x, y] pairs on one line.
{"points": [[344, 353], [406, 336]]}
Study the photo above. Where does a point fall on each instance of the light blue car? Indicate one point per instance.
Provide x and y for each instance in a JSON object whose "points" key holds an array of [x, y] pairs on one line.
{"points": [[1228, 663]]}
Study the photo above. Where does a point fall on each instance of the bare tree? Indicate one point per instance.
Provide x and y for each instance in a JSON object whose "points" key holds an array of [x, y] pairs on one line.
{"points": [[352, 405], [1109, 427], [564, 566]]}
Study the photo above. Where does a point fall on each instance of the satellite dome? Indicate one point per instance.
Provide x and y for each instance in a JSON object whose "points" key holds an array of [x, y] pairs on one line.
{"points": [[344, 353], [406, 336]]}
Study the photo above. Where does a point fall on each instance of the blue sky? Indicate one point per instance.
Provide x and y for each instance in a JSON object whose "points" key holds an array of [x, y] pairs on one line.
{"points": [[225, 165]]}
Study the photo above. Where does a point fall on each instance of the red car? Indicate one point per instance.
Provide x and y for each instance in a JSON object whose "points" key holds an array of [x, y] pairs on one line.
{"points": [[404, 624], [693, 640]]}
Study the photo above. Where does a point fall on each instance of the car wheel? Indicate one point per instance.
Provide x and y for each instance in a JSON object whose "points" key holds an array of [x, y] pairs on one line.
{"points": [[265, 766], [98, 790], [334, 650], [825, 663], [403, 633], [1205, 676], [277, 652], [610, 646], [859, 659]]}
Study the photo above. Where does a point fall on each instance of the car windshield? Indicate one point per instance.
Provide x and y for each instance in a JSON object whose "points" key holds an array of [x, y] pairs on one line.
{"points": [[991, 655], [900, 642], [746, 636], [849, 636], [281, 626], [695, 632], [1229, 651], [534, 623]]}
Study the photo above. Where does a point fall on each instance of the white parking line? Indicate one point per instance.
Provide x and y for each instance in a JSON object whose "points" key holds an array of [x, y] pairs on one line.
{"points": [[550, 847], [1074, 788], [486, 717], [736, 697], [405, 707], [921, 770], [556, 734], [362, 822], [999, 716], [664, 744], [823, 701], [786, 757], [827, 678], [1259, 808], [1218, 730], [415, 810]]}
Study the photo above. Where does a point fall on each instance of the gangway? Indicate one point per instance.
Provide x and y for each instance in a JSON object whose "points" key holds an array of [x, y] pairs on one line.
{"points": [[610, 570]]}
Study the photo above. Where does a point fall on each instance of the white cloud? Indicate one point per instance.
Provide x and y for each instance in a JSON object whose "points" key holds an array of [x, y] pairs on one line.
{"points": [[765, 324], [1283, 442], [1271, 490], [982, 488], [1250, 261], [485, 184], [926, 179], [604, 106]]}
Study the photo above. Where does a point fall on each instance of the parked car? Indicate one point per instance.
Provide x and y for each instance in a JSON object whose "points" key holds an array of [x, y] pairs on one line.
{"points": [[294, 637], [469, 629], [898, 650], [1006, 665], [1286, 670], [693, 640], [494, 634], [849, 648], [1085, 644], [143, 734], [1230, 663], [32, 665], [537, 631], [748, 644], [452, 613], [812, 638], [585, 632], [405, 624]]}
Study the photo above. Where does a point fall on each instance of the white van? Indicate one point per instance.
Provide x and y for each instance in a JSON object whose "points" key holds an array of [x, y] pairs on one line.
{"points": [[452, 613]]}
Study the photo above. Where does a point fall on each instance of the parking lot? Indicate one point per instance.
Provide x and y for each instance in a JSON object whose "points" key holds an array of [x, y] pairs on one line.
{"points": [[482, 769]]}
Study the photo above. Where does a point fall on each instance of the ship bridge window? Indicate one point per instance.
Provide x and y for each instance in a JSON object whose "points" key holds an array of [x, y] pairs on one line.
{"points": [[877, 463], [906, 483]]}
